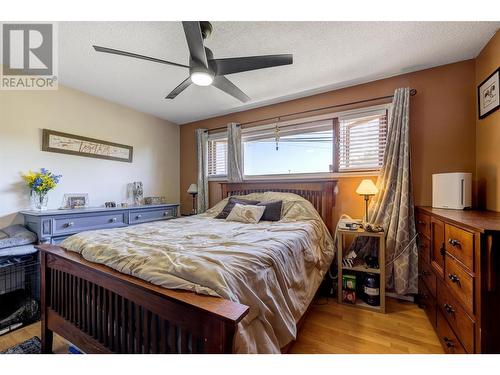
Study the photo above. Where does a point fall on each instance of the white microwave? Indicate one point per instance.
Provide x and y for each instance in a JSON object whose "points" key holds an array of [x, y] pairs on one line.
{"points": [[452, 190]]}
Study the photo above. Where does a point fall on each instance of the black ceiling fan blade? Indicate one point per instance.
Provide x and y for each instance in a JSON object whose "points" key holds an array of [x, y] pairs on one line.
{"points": [[194, 39], [223, 84], [184, 84], [136, 56], [244, 64]]}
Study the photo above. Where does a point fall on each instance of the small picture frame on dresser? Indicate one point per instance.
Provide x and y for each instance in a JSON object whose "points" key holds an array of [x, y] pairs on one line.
{"points": [[72, 201]]}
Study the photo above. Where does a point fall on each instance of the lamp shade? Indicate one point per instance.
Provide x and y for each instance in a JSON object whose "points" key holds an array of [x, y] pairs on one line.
{"points": [[367, 187], [193, 189]]}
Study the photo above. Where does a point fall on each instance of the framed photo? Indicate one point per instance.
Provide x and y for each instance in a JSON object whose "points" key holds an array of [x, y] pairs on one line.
{"points": [[71, 144], [488, 95], [71, 201]]}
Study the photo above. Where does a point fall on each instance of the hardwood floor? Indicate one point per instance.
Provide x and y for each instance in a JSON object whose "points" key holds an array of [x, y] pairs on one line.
{"points": [[334, 328], [331, 328], [25, 333]]}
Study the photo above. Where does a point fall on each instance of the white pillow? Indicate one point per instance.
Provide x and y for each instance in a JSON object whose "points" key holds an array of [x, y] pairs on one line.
{"points": [[246, 213]]}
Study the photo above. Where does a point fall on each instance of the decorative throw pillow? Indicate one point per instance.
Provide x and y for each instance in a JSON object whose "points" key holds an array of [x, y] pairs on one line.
{"points": [[230, 204], [246, 213], [273, 210]]}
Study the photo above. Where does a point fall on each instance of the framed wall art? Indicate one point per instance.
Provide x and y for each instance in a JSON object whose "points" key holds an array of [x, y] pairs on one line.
{"points": [[488, 95], [64, 143]]}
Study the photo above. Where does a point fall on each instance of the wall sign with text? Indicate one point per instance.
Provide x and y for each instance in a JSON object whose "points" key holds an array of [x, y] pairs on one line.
{"points": [[64, 143]]}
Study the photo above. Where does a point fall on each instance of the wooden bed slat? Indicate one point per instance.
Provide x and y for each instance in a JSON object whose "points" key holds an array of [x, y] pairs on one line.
{"points": [[114, 324], [105, 321], [130, 331], [163, 324], [123, 325], [154, 334], [138, 330]]}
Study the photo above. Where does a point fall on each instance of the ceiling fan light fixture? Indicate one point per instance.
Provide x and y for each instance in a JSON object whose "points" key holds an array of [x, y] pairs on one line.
{"points": [[202, 78]]}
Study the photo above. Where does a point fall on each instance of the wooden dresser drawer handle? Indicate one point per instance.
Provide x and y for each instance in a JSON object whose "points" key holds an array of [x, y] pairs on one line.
{"points": [[454, 242], [448, 342], [420, 222], [454, 278], [449, 309], [442, 250]]}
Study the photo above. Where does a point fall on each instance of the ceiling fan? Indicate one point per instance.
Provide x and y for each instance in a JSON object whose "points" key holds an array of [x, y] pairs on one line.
{"points": [[204, 70]]}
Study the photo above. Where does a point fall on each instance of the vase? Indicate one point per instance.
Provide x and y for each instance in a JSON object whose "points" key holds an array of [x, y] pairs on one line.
{"points": [[39, 200]]}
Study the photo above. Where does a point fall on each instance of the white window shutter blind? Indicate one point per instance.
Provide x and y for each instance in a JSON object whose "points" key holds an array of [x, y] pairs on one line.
{"points": [[217, 157], [362, 140]]}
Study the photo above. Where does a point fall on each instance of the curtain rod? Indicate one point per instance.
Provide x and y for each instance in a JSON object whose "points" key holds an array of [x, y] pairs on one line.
{"points": [[413, 92]]}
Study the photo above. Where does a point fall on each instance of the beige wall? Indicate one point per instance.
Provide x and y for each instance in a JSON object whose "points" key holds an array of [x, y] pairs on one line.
{"points": [[24, 113], [442, 129], [488, 133]]}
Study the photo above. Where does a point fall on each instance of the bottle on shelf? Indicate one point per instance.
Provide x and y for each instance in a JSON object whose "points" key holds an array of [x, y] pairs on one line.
{"points": [[371, 289]]}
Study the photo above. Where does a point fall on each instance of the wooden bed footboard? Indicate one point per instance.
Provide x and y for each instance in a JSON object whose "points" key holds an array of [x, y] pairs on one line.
{"points": [[103, 311]]}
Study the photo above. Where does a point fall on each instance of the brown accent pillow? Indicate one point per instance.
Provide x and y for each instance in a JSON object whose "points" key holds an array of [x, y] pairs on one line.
{"points": [[273, 210], [231, 203]]}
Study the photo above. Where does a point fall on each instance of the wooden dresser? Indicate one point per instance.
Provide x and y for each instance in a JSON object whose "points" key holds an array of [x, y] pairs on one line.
{"points": [[459, 277]]}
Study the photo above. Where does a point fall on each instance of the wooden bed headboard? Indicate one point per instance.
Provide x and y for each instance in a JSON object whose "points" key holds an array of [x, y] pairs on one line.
{"points": [[319, 192]]}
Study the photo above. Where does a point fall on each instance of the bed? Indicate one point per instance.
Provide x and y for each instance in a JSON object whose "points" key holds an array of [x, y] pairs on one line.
{"points": [[108, 297]]}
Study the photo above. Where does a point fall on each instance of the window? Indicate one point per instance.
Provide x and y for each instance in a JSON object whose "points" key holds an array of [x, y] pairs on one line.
{"points": [[352, 141], [217, 155], [362, 139], [299, 148]]}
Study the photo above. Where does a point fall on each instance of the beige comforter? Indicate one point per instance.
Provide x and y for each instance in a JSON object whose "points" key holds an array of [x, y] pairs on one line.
{"points": [[273, 267]]}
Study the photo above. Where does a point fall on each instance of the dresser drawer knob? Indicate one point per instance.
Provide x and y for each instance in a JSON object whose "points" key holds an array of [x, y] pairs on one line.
{"points": [[449, 309], [113, 220], [166, 213], [420, 222], [138, 217], [454, 242], [442, 250], [70, 224], [448, 342], [454, 278]]}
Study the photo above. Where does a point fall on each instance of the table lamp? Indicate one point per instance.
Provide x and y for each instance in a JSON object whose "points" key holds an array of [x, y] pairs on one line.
{"points": [[193, 190], [368, 189]]}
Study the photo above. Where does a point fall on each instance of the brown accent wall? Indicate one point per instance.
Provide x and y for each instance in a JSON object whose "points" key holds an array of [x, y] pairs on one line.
{"points": [[442, 121], [488, 133]]}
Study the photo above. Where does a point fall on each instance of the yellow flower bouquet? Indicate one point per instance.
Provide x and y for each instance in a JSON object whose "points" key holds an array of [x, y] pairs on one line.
{"points": [[40, 183]]}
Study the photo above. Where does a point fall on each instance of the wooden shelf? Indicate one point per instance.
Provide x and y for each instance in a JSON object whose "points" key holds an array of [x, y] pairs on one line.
{"points": [[361, 232], [362, 269], [363, 305], [341, 233]]}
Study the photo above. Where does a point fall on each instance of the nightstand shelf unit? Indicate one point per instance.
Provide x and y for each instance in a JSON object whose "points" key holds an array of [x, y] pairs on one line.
{"points": [[341, 241]]}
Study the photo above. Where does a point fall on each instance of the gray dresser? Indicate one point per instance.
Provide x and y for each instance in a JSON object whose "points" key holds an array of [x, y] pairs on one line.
{"points": [[53, 226]]}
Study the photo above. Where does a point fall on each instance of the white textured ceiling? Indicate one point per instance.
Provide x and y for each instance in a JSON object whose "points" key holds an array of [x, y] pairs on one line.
{"points": [[327, 55]]}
